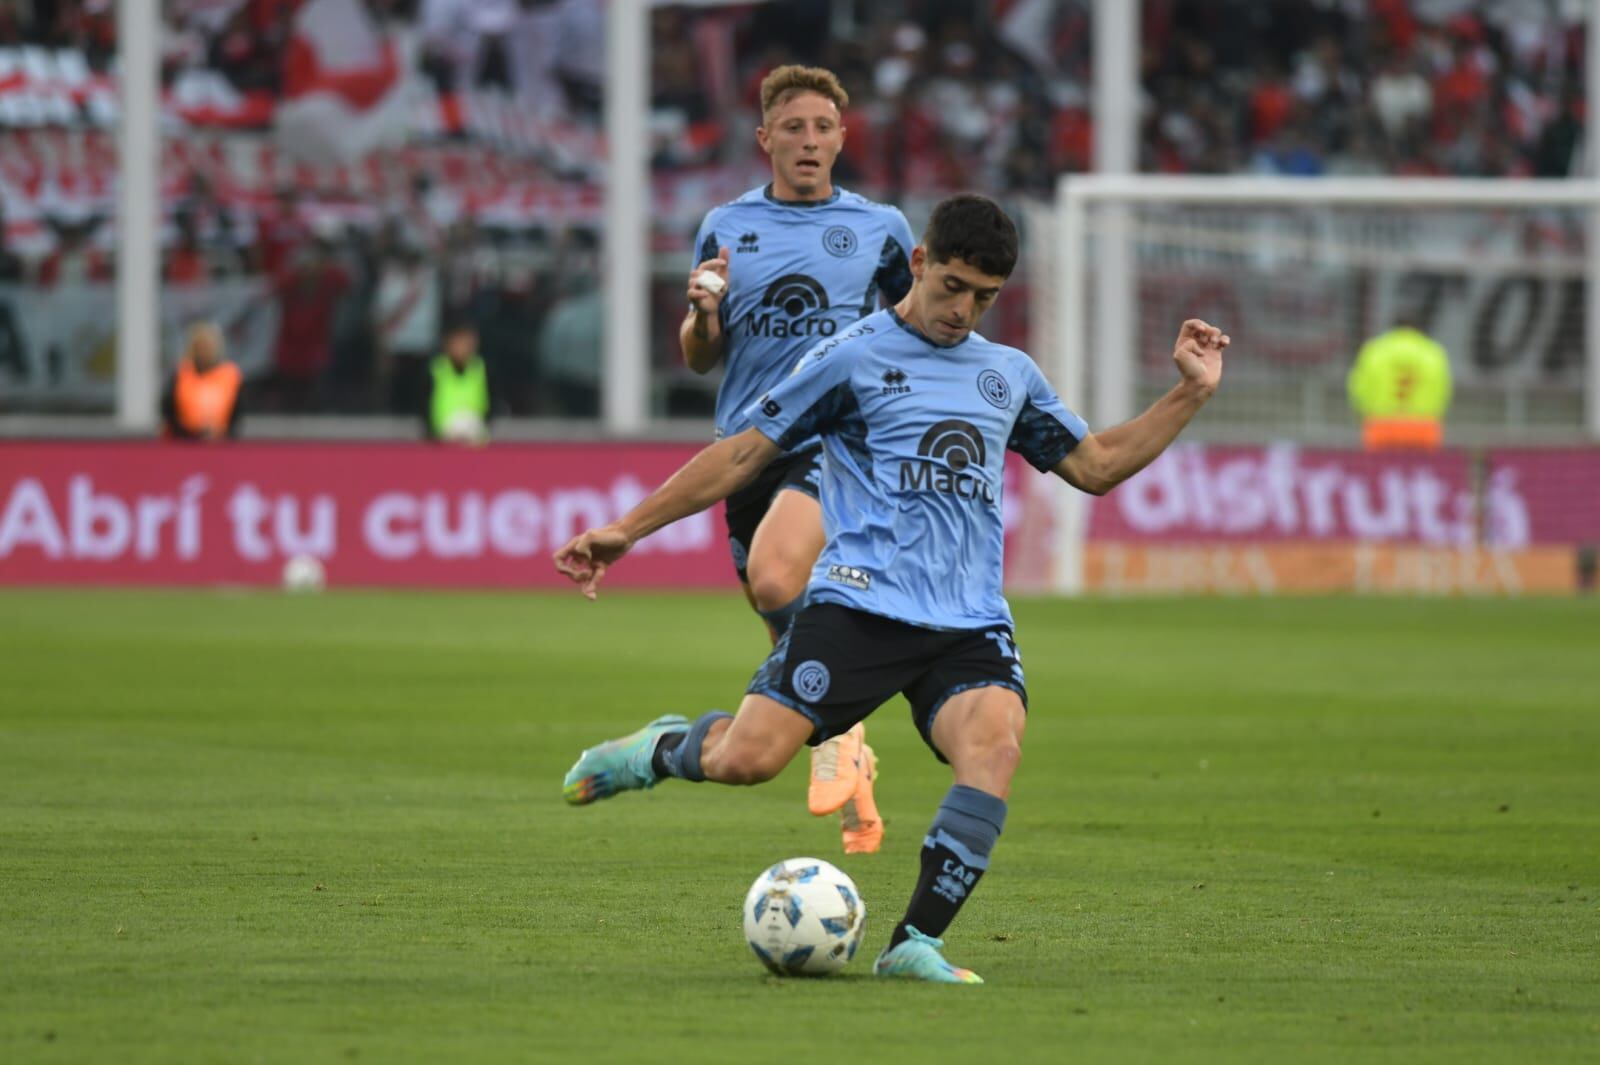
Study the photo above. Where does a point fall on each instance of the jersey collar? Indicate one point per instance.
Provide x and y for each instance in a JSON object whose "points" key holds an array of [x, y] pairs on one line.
{"points": [[920, 335], [767, 192]]}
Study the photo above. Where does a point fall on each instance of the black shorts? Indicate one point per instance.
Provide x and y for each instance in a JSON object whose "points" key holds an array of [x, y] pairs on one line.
{"points": [[746, 507], [836, 665]]}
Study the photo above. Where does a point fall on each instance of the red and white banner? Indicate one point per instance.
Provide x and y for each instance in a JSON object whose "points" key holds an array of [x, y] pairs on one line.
{"points": [[342, 85], [60, 341]]}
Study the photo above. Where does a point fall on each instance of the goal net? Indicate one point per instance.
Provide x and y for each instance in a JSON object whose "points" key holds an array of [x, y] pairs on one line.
{"points": [[1301, 273]]}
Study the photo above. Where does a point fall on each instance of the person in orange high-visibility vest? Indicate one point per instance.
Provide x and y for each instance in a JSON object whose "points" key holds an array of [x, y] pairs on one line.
{"points": [[1400, 386], [202, 397]]}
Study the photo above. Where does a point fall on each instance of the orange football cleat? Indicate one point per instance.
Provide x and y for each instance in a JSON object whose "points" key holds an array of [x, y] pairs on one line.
{"points": [[859, 822], [835, 770]]}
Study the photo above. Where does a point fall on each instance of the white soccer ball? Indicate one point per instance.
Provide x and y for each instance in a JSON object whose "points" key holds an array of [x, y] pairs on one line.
{"points": [[303, 573], [804, 917]]}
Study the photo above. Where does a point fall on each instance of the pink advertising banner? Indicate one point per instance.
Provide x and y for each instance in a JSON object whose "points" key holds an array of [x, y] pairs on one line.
{"points": [[1198, 494], [375, 514], [399, 514], [1559, 489]]}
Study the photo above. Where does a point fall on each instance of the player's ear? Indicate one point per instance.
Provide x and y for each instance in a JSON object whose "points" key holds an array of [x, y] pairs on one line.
{"points": [[763, 138], [919, 262]]}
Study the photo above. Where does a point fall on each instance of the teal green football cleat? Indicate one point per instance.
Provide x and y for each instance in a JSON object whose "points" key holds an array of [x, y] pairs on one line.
{"points": [[618, 765], [918, 958]]}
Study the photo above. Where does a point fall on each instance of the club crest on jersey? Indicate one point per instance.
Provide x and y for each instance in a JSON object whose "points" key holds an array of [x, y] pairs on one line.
{"points": [[840, 241], [793, 306], [992, 386], [946, 451]]}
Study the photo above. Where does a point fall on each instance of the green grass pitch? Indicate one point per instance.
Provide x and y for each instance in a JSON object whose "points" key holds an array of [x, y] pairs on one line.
{"points": [[240, 827]]}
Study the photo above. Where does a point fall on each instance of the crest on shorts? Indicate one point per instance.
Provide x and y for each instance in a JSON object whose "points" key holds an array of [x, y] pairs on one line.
{"points": [[811, 680]]}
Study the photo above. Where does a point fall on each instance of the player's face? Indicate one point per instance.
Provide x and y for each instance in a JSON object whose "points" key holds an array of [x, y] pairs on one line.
{"points": [[803, 135], [950, 297]]}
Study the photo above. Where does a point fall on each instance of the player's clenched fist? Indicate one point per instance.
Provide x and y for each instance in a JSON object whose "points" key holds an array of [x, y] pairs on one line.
{"points": [[708, 282], [1198, 353]]}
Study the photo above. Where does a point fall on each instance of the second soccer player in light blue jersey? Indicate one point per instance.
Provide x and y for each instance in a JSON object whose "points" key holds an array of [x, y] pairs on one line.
{"points": [[799, 260], [915, 411]]}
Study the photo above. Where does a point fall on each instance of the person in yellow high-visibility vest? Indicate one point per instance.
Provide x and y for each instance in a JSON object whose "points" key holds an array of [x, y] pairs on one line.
{"points": [[458, 404], [1400, 386]]}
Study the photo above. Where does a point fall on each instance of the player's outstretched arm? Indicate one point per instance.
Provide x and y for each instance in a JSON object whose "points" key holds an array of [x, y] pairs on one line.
{"points": [[701, 336], [713, 474], [1103, 460]]}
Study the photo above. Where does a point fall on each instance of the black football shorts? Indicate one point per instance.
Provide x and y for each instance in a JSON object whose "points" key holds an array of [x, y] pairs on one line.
{"points": [[801, 471], [836, 665]]}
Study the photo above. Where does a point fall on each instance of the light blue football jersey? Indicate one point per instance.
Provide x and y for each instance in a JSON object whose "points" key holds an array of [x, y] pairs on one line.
{"points": [[798, 273], [915, 435]]}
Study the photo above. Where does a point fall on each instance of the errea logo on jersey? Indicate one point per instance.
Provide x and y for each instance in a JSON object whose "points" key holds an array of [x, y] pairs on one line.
{"points": [[793, 306], [948, 450]]}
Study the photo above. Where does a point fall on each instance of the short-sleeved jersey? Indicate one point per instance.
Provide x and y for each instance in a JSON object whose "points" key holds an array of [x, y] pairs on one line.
{"points": [[915, 435], [798, 273]]}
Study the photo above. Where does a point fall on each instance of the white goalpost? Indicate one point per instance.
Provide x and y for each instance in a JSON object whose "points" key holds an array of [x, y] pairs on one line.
{"points": [[1119, 237], [1301, 272]]}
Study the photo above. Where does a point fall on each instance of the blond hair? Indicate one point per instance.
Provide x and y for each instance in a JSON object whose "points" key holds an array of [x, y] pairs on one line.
{"points": [[787, 82], [202, 331]]}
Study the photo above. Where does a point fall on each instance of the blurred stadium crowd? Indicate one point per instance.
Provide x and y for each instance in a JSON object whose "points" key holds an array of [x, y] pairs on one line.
{"points": [[485, 209]]}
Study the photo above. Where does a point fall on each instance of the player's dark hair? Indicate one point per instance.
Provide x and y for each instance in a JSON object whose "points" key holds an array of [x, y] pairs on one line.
{"points": [[974, 229]]}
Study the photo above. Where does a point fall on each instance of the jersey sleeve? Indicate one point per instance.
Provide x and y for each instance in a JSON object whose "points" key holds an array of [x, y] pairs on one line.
{"points": [[893, 277], [705, 241], [806, 401], [1045, 430]]}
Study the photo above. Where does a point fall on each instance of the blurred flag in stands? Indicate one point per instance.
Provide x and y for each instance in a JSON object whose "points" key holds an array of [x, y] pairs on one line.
{"points": [[343, 85]]}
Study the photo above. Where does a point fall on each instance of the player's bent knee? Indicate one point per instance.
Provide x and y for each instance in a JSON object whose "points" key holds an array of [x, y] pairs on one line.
{"points": [[988, 766], [1003, 758], [986, 753]]}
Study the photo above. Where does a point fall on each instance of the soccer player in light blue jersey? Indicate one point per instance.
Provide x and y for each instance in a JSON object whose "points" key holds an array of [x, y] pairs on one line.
{"points": [[800, 260], [916, 412]]}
